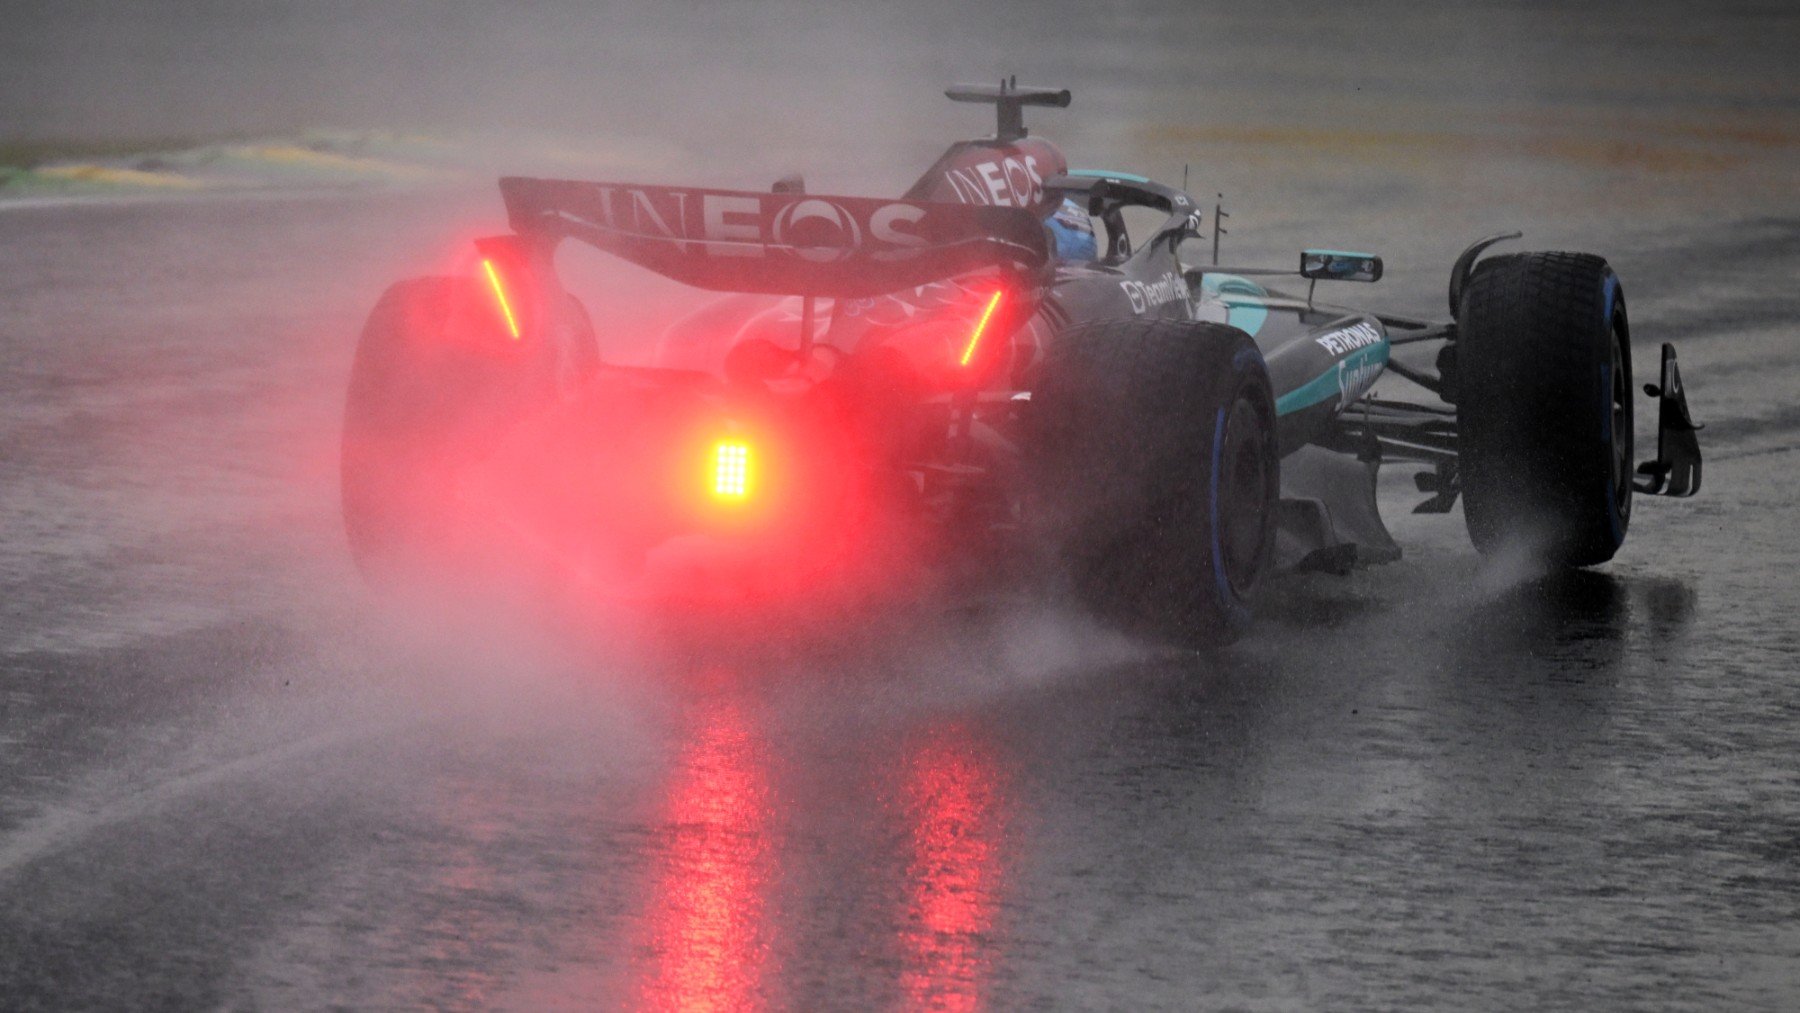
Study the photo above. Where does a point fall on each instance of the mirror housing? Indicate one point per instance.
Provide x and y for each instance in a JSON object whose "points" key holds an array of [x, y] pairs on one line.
{"points": [[1188, 229], [1339, 265]]}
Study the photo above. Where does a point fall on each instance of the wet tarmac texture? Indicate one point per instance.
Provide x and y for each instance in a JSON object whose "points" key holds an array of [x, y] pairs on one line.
{"points": [[232, 777]]}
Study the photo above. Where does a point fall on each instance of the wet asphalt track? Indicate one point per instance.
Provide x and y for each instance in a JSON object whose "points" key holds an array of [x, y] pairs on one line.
{"points": [[230, 777]]}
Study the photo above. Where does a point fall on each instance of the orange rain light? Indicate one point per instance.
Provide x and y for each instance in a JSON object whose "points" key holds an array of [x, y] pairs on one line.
{"points": [[731, 470], [981, 326], [512, 323]]}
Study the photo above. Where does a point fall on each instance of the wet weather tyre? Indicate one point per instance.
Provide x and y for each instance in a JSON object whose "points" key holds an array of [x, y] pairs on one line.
{"points": [[1153, 455], [433, 380], [1544, 412]]}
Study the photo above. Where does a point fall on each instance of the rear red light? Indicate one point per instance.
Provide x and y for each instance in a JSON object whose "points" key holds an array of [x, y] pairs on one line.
{"points": [[731, 470], [981, 325], [493, 276]]}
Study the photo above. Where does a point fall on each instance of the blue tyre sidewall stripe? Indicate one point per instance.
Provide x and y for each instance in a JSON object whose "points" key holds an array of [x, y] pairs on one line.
{"points": [[1606, 428], [1236, 611], [1217, 533]]}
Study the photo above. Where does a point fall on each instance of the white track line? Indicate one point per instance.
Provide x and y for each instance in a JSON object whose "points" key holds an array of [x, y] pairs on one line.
{"points": [[63, 827]]}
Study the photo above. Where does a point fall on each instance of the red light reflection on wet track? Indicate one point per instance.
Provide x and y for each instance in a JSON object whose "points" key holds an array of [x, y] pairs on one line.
{"points": [[955, 873], [706, 912]]}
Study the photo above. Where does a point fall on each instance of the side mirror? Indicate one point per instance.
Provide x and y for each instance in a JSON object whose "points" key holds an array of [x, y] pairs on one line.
{"points": [[1188, 229], [1338, 265]]}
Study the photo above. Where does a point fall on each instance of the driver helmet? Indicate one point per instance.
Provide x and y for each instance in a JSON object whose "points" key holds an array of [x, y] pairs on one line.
{"points": [[1073, 230]]}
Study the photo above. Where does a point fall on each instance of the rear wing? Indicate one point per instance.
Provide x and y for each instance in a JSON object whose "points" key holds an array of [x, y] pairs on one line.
{"points": [[778, 243]]}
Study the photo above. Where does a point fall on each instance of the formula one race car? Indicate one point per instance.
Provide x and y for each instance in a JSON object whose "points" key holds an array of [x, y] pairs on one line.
{"points": [[974, 380]]}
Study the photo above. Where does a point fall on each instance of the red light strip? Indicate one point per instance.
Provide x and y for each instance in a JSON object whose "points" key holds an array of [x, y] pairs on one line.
{"points": [[512, 324], [981, 326]]}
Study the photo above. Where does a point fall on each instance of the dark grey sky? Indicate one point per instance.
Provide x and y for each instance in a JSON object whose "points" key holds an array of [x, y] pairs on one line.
{"points": [[682, 70]]}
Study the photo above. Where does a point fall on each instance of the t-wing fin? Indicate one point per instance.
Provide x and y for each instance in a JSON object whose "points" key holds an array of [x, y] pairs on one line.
{"points": [[778, 243], [1009, 100]]}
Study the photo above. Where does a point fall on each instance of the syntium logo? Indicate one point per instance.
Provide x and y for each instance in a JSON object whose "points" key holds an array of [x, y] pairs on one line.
{"points": [[1355, 381], [1168, 288]]}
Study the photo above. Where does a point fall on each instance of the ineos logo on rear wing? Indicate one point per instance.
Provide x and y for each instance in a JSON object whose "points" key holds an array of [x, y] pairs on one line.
{"points": [[764, 242]]}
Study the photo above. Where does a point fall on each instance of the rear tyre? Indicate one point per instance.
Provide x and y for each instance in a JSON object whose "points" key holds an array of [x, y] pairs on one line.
{"points": [[435, 384], [1544, 412], [1153, 454]]}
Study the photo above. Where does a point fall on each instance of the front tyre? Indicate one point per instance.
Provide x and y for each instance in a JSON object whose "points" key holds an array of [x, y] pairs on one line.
{"points": [[1544, 408], [1152, 449]]}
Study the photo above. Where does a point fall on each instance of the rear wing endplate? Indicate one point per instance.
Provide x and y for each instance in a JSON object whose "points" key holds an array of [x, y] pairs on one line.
{"points": [[778, 243], [1675, 471]]}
